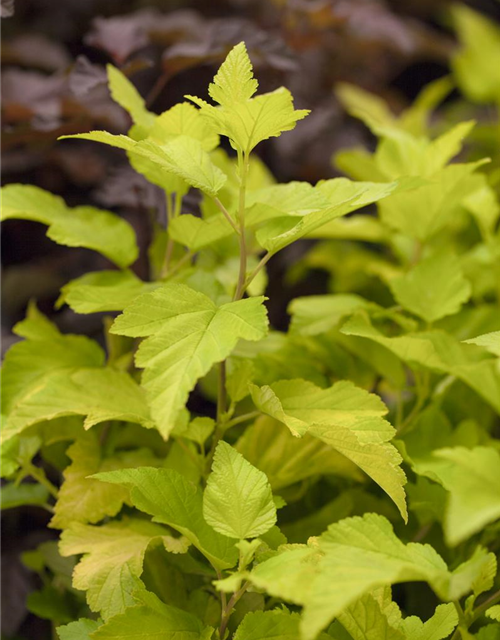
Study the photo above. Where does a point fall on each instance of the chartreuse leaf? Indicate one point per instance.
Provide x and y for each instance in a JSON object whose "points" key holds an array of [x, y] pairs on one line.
{"points": [[234, 81], [86, 227], [345, 417], [312, 315], [183, 119], [183, 157], [244, 119], [78, 630], [299, 404], [372, 616], [343, 196], [45, 352], [12, 495], [126, 95], [103, 291], [175, 501], [83, 499], [36, 326], [238, 501], [494, 612], [475, 62], [434, 204], [488, 632], [437, 351], [83, 392], [439, 626], [375, 112], [186, 334], [112, 560], [348, 561], [262, 205], [269, 625], [434, 288], [285, 460], [490, 341], [472, 477], [151, 619]]}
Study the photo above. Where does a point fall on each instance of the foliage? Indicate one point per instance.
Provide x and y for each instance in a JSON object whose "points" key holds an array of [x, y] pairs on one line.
{"points": [[373, 416]]}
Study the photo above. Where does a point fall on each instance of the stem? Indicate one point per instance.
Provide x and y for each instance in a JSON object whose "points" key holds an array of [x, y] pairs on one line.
{"points": [[221, 393], [422, 394], [157, 89], [226, 214], [223, 599], [243, 167], [257, 269], [185, 258], [489, 602], [39, 475], [227, 611], [171, 215], [243, 418]]}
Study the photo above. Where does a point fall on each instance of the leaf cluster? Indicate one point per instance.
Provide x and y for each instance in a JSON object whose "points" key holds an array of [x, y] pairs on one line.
{"points": [[353, 452]]}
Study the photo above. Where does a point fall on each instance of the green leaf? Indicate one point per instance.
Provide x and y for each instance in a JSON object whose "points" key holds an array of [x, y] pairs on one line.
{"points": [[153, 620], [482, 203], [494, 612], [112, 560], [238, 501], [367, 618], [183, 119], [472, 477], [375, 113], [183, 157], [343, 196], [476, 574], [313, 315], [345, 417], [45, 352], [175, 501], [103, 291], [426, 210], [82, 392], [262, 205], [50, 603], [234, 81], [267, 443], [13, 495], [490, 341], [475, 62], [352, 558], [269, 625], [188, 334], [126, 95], [437, 351], [434, 288], [246, 121], [79, 630], [439, 626], [86, 227], [489, 632], [83, 499]]}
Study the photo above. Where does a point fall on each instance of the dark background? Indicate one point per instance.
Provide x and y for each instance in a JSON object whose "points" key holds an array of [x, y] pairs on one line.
{"points": [[54, 83]]}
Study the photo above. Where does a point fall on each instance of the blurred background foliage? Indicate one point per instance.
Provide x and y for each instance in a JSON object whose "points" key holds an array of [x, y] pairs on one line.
{"points": [[54, 83]]}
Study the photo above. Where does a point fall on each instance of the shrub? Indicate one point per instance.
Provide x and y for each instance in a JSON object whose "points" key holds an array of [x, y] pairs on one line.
{"points": [[353, 452]]}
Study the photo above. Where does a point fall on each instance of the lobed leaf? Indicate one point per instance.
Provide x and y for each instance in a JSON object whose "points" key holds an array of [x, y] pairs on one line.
{"points": [[175, 501], [186, 334]]}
